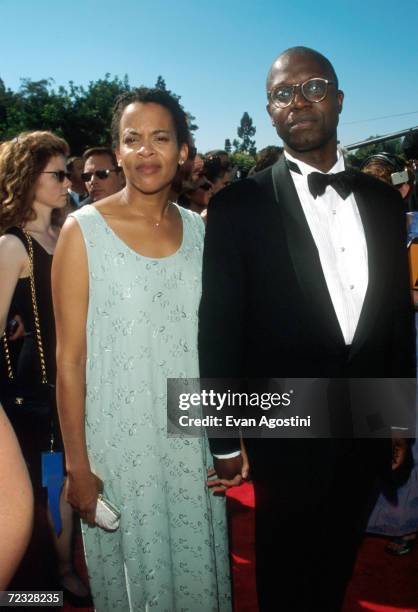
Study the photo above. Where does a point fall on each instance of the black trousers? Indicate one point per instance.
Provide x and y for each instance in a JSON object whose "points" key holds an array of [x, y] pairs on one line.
{"points": [[313, 498]]}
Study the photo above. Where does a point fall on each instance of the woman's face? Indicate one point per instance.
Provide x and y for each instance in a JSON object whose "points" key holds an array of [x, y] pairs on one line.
{"points": [[221, 182], [49, 190], [201, 196], [148, 149]]}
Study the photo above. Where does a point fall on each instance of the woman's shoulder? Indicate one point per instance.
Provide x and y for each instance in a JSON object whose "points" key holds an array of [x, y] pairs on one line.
{"points": [[87, 219], [12, 244], [88, 210], [193, 219]]}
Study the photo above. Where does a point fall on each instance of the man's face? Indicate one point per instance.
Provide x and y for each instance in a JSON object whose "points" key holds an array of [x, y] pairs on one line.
{"points": [[304, 125], [77, 169], [100, 188]]}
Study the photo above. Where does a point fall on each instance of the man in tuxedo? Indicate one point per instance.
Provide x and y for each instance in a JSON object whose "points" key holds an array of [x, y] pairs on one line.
{"points": [[306, 276]]}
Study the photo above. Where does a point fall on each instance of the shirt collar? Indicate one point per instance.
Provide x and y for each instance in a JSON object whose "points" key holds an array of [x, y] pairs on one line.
{"points": [[306, 169]]}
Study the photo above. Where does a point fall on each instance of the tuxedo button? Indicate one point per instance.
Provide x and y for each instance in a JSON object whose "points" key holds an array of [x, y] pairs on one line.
{"points": [[342, 249], [351, 287]]}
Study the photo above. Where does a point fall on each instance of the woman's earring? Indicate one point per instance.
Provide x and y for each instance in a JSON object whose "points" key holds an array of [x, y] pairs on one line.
{"points": [[181, 162]]}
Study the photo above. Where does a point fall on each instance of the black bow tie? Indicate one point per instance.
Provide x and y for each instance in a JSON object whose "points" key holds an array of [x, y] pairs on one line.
{"points": [[343, 182]]}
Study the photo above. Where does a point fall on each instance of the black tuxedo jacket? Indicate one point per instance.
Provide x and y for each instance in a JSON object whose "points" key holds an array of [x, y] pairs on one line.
{"points": [[266, 310]]}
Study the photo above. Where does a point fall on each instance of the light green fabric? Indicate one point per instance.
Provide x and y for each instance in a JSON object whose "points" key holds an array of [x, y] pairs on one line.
{"points": [[170, 553]]}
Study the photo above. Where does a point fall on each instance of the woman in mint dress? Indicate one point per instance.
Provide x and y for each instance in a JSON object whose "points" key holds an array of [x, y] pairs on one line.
{"points": [[126, 281]]}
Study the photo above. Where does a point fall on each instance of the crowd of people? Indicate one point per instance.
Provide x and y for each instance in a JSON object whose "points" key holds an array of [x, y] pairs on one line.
{"points": [[146, 261]]}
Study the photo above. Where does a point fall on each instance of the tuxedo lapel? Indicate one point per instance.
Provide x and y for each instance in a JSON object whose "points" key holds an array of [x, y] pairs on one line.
{"points": [[304, 255], [378, 256]]}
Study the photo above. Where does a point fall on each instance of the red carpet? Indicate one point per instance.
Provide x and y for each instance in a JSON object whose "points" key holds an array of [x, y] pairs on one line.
{"points": [[381, 583]]}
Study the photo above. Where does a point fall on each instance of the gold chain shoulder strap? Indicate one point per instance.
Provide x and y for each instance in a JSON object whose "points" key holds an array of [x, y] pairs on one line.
{"points": [[35, 318], [35, 310], [10, 375]]}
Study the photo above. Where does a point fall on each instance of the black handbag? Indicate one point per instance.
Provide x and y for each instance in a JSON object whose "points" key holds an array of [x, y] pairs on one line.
{"points": [[16, 396]]}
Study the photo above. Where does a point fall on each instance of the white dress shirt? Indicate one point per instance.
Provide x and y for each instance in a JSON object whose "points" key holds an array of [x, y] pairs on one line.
{"points": [[338, 233]]}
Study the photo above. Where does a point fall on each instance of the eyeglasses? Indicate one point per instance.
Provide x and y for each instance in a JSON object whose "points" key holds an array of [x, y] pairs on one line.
{"points": [[101, 174], [60, 175], [313, 90]]}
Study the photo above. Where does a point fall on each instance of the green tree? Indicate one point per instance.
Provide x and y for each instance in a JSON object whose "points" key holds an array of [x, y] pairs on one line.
{"points": [[227, 145], [245, 132], [35, 106], [82, 115], [7, 101], [244, 161], [89, 121], [160, 84]]}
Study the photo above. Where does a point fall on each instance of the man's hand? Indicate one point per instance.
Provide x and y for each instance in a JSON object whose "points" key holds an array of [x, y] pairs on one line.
{"points": [[230, 472], [228, 468], [399, 449]]}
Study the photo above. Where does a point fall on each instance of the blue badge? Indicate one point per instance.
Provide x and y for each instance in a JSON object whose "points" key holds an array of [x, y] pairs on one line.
{"points": [[53, 479]]}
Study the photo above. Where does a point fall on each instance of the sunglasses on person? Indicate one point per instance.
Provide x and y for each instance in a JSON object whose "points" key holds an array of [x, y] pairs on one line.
{"points": [[60, 175], [313, 90], [101, 174]]}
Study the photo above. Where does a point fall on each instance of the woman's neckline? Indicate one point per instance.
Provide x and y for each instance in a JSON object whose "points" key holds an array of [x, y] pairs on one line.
{"points": [[38, 243], [131, 250]]}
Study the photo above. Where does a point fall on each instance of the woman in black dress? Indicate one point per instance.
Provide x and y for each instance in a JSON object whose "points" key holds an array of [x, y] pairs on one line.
{"points": [[33, 197]]}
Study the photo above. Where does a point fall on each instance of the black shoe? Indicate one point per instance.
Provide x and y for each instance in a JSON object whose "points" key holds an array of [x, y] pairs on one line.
{"points": [[76, 601]]}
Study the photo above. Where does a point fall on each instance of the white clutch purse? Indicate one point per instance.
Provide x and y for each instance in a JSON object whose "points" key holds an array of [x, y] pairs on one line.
{"points": [[107, 515]]}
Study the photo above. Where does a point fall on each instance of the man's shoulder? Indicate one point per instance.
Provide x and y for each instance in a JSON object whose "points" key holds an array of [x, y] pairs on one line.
{"points": [[367, 184], [243, 193]]}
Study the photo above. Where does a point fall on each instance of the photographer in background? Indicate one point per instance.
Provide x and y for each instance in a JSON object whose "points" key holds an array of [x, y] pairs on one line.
{"points": [[410, 150], [393, 170]]}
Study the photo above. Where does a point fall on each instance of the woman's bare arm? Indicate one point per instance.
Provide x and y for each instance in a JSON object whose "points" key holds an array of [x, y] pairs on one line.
{"points": [[16, 503], [14, 263], [70, 286]]}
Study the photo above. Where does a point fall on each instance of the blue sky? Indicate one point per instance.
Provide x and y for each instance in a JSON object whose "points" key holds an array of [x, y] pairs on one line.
{"points": [[216, 54]]}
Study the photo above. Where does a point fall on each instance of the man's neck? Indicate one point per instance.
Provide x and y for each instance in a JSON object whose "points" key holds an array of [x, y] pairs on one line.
{"points": [[80, 189], [322, 159]]}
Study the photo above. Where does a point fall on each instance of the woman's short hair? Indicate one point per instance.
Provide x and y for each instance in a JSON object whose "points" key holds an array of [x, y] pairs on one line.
{"points": [[22, 160], [146, 95]]}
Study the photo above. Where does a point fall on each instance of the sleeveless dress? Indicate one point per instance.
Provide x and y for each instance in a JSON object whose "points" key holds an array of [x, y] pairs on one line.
{"points": [[170, 553], [34, 430], [37, 570]]}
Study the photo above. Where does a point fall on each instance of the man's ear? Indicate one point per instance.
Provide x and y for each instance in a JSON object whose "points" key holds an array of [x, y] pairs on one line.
{"points": [[270, 115], [340, 99]]}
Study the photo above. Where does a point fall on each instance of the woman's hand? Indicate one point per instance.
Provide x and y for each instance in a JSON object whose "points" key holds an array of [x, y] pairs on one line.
{"points": [[15, 328], [81, 491]]}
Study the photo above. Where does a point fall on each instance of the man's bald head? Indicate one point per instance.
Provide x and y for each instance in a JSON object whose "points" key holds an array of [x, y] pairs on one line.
{"points": [[302, 52]]}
